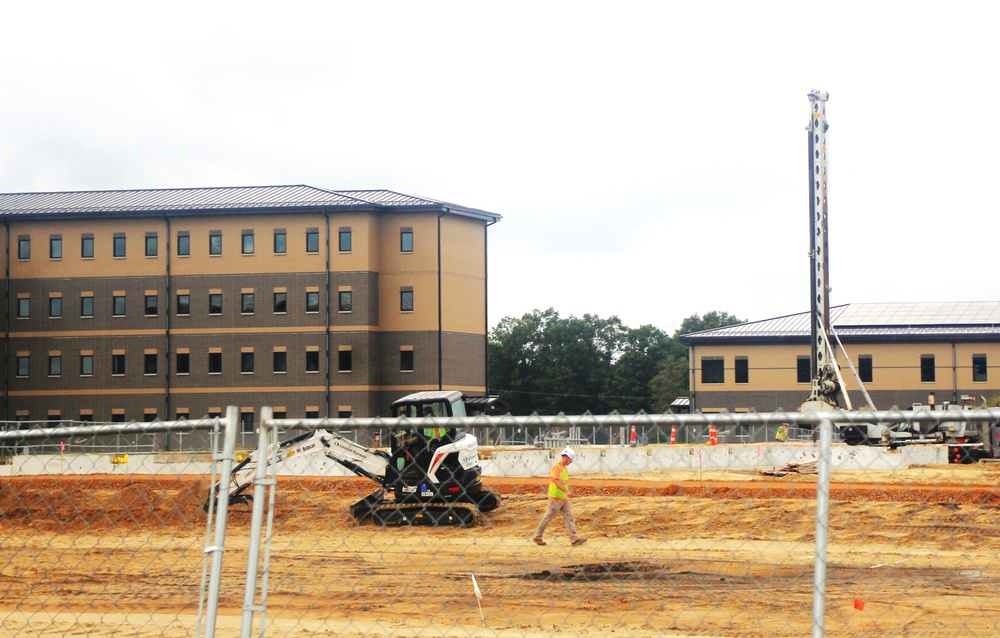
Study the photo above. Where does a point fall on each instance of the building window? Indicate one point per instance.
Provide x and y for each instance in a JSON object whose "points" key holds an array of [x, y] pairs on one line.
{"points": [[118, 305], [23, 307], [55, 247], [118, 416], [55, 307], [312, 241], [742, 370], [87, 247], [865, 370], [344, 414], [119, 246], [152, 305], [280, 302], [86, 306], [345, 301], [312, 302], [184, 304], [183, 414], [312, 413], [215, 242], [55, 365], [312, 361], [280, 361], [86, 365], [183, 363], [149, 363], [803, 370], [927, 368], [979, 368], [118, 364], [152, 245], [149, 416], [406, 300], [23, 366], [247, 248], [713, 370], [406, 360], [280, 242], [246, 422], [215, 303], [345, 240], [246, 362], [345, 361], [24, 248], [183, 245], [215, 363], [406, 240], [246, 303]]}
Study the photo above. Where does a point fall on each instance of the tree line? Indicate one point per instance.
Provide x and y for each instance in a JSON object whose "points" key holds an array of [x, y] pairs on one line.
{"points": [[546, 364]]}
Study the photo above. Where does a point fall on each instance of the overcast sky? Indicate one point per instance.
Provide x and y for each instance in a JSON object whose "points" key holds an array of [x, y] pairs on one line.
{"points": [[649, 159]]}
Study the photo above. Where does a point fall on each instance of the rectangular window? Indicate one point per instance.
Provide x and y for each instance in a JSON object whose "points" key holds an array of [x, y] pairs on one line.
{"points": [[344, 303], [86, 365], [149, 415], [184, 304], [406, 240], [149, 363], [280, 361], [246, 303], [23, 307], [183, 244], [345, 240], [927, 368], [23, 366], [118, 305], [152, 245], [55, 307], [215, 242], [87, 306], [117, 415], [55, 247], [713, 370], [183, 363], [406, 300], [55, 365], [345, 361], [24, 248], [118, 364], [152, 305], [803, 370], [119, 246], [215, 363], [312, 302], [215, 303], [406, 360], [865, 370], [280, 302], [312, 361], [247, 248], [87, 246], [742, 370], [312, 241], [246, 362], [246, 422], [312, 413], [979, 368], [280, 242]]}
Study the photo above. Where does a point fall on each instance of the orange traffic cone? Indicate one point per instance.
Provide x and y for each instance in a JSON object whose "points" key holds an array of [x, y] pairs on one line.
{"points": [[631, 437], [713, 435], [673, 435]]}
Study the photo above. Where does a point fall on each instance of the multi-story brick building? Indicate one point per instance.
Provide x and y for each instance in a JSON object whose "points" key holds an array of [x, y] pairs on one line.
{"points": [[161, 304], [904, 354]]}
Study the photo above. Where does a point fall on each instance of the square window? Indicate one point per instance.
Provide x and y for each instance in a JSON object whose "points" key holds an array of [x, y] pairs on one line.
{"points": [[312, 302], [865, 370], [345, 361], [979, 368], [742, 370], [246, 362], [345, 301], [55, 248], [55, 307], [86, 365], [927, 368], [406, 241], [713, 370], [23, 365], [55, 366], [312, 241], [86, 306], [280, 302], [183, 363], [87, 247], [215, 303], [23, 307], [183, 245], [803, 370], [152, 305], [119, 246], [184, 304], [247, 243], [280, 242], [406, 301], [215, 244], [280, 361], [149, 363], [312, 361], [215, 363], [345, 241], [117, 365], [118, 305], [24, 248], [246, 303], [406, 360], [152, 246]]}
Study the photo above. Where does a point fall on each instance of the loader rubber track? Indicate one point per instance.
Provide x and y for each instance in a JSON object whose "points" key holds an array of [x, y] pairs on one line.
{"points": [[433, 514]]}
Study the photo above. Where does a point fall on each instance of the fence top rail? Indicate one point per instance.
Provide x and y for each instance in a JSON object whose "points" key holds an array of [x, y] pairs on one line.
{"points": [[838, 417], [134, 427]]}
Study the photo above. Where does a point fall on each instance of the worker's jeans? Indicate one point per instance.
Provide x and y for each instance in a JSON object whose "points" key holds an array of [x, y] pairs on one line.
{"points": [[557, 507]]}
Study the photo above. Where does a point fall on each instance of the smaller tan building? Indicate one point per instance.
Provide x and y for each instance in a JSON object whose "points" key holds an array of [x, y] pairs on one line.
{"points": [[902, 353]]}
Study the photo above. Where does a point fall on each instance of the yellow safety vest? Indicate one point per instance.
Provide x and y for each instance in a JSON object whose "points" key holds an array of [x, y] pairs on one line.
{"points": [[554, 491]]}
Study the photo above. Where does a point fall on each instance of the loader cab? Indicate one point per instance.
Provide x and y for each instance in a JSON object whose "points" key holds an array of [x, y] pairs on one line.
{"points": [[437, 404]]}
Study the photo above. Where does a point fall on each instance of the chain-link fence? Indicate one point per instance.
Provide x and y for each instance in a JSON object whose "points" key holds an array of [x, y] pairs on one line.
{"points": [[807, 535]]}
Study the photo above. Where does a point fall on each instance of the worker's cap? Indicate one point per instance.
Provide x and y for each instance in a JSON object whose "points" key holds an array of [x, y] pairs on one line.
{"points": [[568, 451]]}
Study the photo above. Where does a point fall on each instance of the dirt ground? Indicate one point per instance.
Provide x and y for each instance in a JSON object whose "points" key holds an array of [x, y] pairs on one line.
{"points": [[911, 553]]}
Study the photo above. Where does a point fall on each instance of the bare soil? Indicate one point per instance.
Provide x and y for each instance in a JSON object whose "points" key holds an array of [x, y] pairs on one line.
{"points": [[911, 553]]}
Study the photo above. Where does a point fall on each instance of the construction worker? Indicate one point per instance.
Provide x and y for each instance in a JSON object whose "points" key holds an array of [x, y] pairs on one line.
{"points": [[432, 433], [782, 433], [559, 494]]}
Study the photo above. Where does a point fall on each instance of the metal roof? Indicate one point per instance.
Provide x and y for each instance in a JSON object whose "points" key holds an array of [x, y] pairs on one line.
{"points": [[928, 321], [218, 199]]}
